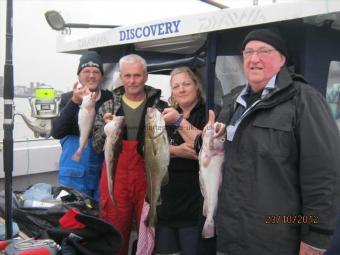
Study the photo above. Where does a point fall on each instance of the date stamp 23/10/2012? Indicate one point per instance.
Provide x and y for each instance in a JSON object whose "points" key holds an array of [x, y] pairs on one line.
{"points": [[291, 219]]}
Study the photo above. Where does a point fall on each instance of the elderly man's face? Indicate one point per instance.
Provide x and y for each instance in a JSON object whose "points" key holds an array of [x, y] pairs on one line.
{"points": [[260, 63], [90, 77]]}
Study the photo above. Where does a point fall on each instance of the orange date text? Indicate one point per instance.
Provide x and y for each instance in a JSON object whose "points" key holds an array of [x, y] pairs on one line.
{"points": [[291, 219]]}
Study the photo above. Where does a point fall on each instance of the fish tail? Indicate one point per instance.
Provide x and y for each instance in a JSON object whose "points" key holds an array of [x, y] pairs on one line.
{"points": [[208, 230], [205, 208], [76, 156], [151, 219]]}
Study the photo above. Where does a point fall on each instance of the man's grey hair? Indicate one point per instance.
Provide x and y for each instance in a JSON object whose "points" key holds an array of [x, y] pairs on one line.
{"points": [[131, 59]]}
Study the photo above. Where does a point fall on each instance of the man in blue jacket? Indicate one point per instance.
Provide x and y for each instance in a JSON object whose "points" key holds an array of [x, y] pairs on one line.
{"points": [[85, 174]]}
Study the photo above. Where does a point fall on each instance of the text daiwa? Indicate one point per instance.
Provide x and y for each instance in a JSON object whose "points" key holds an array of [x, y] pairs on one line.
{"points": [[150, 30]]}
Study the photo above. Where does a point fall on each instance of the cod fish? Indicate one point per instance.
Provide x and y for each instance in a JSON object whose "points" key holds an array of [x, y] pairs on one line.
{"points": [[112, 148], [86, 116], [157, 157], [211, 157]]}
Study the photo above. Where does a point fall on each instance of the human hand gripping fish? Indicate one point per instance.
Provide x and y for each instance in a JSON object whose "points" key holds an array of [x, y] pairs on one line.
{"points": [[78, 92], [211, 157], [211, 122], [112, 148], [86, 117]]}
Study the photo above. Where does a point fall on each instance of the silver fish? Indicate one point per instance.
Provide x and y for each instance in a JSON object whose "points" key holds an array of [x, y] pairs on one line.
{"points": [[157, 157], [211, 157], [112, 149], [86, 116]]}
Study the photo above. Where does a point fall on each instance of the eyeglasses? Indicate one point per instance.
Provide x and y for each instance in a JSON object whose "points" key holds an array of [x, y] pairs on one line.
{"points": [[88, 72], [261, 53]]}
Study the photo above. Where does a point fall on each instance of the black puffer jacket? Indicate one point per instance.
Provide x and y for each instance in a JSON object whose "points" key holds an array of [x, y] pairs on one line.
{"points": [[282, 173]]}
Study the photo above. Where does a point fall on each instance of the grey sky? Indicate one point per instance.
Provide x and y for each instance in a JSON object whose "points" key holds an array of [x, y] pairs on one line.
{"points": [[34, 54]]}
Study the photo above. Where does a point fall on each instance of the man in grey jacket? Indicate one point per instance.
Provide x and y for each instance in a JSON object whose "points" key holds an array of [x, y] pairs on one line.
{"points": [[281, 179]]}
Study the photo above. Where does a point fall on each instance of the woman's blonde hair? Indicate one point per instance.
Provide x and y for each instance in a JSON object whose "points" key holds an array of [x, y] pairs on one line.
{"points": [[193, 77]]}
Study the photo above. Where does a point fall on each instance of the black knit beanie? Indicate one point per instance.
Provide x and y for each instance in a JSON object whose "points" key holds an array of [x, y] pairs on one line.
{"points": [[90, 58], [267, 36]]}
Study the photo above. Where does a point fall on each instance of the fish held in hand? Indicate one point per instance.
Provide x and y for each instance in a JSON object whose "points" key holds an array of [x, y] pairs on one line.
{"points": [[157, 158], [86, 116], [211, 158], [112, 148]]}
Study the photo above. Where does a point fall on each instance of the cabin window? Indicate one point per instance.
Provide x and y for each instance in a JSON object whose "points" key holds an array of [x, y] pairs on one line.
{"points": [[162, 82], [229, 74], [333, 90]]}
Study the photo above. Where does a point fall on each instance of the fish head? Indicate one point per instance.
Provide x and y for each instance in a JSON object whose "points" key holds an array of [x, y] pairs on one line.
{"points": [[89, 100], [214, 137], [119, 121], [154, 122], [218, 137], [114, 125], [109, 126]]}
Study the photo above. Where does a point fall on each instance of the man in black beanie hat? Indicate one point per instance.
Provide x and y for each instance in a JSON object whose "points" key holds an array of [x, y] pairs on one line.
{"points": [[267, 36], [83, 175], [280, 187], [90, 59]]}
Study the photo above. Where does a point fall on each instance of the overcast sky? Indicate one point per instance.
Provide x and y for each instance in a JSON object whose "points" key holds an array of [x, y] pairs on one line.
{"points": [[34, 54]]}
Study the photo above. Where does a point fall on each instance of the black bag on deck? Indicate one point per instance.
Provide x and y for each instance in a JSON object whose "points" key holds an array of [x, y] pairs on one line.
{"points": [[33, 221], [82, 234]]}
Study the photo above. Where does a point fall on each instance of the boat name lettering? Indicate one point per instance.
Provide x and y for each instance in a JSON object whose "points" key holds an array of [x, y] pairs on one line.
{"points": [[150, 30]]}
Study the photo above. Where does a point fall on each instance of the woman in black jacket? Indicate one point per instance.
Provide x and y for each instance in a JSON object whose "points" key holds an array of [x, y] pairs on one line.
{"points": [[179, 215]]}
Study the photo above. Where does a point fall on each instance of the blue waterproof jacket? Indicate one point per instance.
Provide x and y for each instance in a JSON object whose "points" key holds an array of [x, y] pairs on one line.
{"points": [[83, 175]]}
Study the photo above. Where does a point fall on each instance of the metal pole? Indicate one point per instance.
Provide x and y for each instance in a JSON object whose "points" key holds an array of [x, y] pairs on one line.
{"points": [[8, 121], [79, 25], [210, 72]]}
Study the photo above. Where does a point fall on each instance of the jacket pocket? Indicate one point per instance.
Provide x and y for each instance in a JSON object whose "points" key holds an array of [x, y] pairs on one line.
{"points": [[72, 172], [274, 134], [72, 177], [93, 176], [278, 121]]}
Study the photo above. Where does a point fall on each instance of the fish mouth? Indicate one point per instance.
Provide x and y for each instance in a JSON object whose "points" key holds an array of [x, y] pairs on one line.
{"points": [[151, 111]]}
